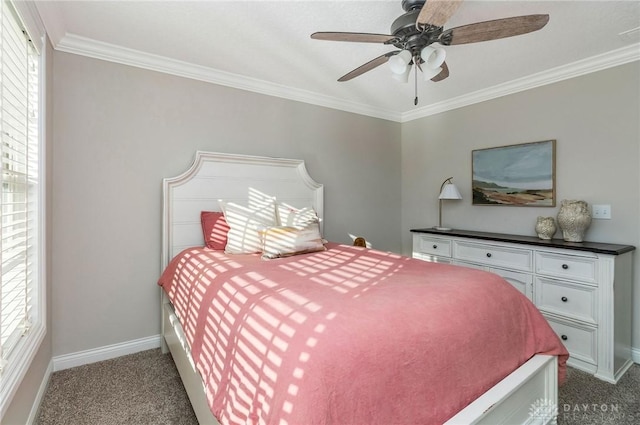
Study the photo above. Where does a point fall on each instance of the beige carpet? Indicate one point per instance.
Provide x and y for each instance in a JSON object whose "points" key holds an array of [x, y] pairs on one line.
{"points": [[145, 388], [585, 400], [141, 388]]}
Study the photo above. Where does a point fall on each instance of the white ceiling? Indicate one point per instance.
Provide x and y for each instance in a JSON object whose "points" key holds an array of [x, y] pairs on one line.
{"points": [[265, 46]]}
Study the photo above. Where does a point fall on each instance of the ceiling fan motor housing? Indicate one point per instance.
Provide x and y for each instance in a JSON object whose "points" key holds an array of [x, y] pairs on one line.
{"points": [[408, 5], [408, 37], [405, 24]]}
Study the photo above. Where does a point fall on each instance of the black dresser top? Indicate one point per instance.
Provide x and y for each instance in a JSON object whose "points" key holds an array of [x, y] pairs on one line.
{"points": [[597, 247]]}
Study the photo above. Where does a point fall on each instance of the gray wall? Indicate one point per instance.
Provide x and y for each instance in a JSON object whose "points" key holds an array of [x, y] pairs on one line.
{"points": [[119, 130], [595, 120]]}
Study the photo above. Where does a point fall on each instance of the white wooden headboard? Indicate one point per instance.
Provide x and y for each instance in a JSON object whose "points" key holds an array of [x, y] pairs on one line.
{"points": [[214, 176]]}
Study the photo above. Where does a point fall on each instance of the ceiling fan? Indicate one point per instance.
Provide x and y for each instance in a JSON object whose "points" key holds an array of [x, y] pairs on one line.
{"points": [[419, 27]]}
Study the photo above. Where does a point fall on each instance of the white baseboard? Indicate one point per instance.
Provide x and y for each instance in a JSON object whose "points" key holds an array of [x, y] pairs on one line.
{"points": [[635, 355], [107, 352], [33, 414]]}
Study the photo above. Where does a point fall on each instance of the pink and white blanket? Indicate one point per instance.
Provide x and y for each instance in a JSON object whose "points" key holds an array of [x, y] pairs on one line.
{"points": [[349, 335]]}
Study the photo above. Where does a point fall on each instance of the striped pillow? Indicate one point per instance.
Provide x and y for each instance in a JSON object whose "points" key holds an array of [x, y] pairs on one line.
{"points": [[285, 241]]}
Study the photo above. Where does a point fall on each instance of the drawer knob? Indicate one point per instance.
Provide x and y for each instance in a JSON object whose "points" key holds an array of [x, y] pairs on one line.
{"points": [[488, 255], [564, 299], [435, 246], [565, 266], [564, 337]]}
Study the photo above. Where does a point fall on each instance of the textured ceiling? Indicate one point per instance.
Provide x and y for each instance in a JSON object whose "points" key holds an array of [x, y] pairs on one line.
{"points": [[267, 43]]}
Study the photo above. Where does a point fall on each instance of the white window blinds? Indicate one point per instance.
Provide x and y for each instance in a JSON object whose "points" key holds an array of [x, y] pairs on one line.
{"points": [[19, 201]]}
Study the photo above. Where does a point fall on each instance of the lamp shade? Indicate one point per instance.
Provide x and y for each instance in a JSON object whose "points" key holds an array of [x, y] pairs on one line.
{"points": [[399, 63], [404, 77], [450, 191], [434, 58]]}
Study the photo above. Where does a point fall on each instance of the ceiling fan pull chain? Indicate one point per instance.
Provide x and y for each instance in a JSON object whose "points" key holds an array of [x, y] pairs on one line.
{"points": [[415, 101]]}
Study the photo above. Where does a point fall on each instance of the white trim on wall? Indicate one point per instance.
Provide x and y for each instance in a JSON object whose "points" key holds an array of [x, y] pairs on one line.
{"points": [[107, 352], [35, 408], [71, 43], [635, 355], [601, 62]]}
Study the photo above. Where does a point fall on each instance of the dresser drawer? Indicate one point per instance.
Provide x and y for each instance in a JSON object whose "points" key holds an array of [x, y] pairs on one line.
{"points": [[494, 255], [572, 300], [432, 246], [523, 282], [580, 341], [470, 265], [566, 266], [431, 258]]}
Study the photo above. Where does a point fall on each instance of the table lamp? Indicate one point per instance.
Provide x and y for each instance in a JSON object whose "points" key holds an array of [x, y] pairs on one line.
{"points": [[448, 190]]}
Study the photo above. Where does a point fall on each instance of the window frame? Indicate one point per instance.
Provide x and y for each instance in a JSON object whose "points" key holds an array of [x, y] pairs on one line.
{"points": [[22, 355]]}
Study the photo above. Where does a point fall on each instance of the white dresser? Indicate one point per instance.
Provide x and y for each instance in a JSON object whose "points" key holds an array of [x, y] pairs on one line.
{"points": [[571, 283]]}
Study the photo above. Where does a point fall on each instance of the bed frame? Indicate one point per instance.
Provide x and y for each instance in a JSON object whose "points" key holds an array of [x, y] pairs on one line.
{"points": [[526, 396]]}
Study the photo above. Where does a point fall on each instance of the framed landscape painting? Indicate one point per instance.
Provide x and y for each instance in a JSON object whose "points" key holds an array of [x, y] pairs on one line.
{"points": [[516, 175]]}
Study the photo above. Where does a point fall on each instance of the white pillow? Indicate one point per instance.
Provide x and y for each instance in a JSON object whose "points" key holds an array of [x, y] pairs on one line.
{"points": [[244, 226], [264, 203], [284, 241], [291, 216]]}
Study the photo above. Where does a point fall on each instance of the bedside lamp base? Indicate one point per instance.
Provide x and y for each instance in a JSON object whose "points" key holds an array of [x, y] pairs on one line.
{"points": [[442, 228]]}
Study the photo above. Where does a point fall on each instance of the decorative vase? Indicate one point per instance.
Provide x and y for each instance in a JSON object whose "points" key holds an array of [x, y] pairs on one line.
{"points": [[574, 218], [546, 227]]}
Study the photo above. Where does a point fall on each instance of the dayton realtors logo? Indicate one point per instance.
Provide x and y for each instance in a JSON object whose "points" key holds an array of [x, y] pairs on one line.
{"points": [[594, 411], [543, 410]]}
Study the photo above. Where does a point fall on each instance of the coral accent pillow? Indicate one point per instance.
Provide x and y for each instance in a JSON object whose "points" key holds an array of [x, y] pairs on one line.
{"points": [[214, 229]]}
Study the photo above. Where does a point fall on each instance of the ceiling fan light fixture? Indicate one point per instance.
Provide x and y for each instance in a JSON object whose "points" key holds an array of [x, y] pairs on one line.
{"points": [[404, 77], [400, 63], [433, 58]]}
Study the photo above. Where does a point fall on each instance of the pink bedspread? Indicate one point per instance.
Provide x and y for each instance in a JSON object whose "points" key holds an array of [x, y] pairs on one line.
{"points": [[349, 335]]}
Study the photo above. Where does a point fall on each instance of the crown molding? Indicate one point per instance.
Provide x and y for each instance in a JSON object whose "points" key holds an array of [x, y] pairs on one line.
{"points": [[72, 43], [51, 19], [610, 59], [79, 45]]}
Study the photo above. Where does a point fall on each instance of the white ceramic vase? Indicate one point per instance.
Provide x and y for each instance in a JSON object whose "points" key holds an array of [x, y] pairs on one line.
{"points": [[574, 219], [546, 227]]}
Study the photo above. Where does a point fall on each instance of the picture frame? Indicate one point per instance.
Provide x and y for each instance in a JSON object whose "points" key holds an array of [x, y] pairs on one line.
{"points": [[515, 175]]}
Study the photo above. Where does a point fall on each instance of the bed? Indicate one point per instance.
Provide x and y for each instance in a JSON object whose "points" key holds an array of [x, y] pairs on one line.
{"points": [[342, 334]]}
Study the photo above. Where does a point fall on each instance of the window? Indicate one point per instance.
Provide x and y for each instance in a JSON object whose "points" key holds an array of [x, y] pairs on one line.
{"points": [[21, 295]]}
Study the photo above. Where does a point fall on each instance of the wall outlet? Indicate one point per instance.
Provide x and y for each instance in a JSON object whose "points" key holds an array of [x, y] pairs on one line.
{"points": [[601, 212]]}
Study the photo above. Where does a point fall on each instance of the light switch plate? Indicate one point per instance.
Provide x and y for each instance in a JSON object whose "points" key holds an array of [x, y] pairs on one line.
{"points": [[601, 212]]}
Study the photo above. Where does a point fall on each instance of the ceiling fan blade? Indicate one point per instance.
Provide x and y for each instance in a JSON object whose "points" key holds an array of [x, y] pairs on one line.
{"points": [[358, 37], [374, 63], [443, 74], [493, 30], [437, 12]]}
